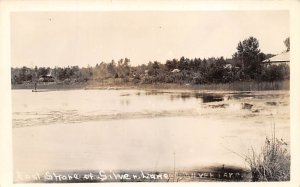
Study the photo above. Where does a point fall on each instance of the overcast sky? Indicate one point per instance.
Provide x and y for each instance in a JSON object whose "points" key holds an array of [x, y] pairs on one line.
{"points": [[62, 39]]}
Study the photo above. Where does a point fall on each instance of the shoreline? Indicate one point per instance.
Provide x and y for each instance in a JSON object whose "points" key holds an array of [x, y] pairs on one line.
{"points": [[235, 86]]}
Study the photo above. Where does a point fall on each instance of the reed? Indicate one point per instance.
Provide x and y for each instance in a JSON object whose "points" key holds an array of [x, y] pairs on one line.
{"points": [[246, 86], [272, 163]]}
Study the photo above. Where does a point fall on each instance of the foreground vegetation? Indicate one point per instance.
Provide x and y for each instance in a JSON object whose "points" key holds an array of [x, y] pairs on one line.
{"points": [[272, 163]]}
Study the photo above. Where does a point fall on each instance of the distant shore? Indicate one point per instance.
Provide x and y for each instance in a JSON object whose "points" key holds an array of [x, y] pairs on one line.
{"points": [[235, 86]]}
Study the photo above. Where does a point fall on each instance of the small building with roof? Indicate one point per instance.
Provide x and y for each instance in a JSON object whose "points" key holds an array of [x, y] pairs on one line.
{"points": [[283, 58]]}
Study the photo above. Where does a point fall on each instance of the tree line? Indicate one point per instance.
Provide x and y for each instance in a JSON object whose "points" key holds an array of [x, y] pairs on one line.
{"points": [[246, 64]]}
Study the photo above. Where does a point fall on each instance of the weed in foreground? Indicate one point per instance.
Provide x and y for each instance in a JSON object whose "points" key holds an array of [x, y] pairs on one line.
{"points": [[273, 163]]}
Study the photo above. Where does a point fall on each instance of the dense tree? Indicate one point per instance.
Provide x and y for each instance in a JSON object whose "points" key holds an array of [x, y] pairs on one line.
{"points": [[249, 57], [42, 71], [245, 65]]}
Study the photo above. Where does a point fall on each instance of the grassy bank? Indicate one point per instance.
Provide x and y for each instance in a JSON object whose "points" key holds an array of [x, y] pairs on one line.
{"points": [[236, 86], [54, 86], [246, 86]]}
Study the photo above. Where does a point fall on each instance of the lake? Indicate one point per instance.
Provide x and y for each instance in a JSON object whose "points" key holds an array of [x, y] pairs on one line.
{"points": [[142, 129]]}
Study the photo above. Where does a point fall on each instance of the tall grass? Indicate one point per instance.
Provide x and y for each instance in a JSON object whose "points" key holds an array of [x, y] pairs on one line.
{"points": [[235, 86], [272, 163], [246, 86]]}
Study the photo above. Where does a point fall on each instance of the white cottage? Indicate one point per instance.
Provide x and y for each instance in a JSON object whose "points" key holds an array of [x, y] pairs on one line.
{"points": [[283, 58]]}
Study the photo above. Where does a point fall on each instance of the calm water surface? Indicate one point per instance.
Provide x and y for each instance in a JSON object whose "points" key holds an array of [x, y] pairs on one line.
{"points": [[136, 129]]}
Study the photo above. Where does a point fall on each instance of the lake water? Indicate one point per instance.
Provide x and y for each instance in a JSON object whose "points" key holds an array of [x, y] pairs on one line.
{"points": [[139, 129]]}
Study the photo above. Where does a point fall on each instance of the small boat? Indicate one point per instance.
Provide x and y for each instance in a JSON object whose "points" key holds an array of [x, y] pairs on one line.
{"points": [[42, 90], [38, 90]]}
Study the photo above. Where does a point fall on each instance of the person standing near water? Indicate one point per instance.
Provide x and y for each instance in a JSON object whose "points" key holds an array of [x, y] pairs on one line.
{"points": [[35, 85]]}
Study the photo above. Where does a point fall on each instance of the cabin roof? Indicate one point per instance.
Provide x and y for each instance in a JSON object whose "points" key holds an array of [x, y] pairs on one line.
{"points": [[283, 57], [175, 70]]}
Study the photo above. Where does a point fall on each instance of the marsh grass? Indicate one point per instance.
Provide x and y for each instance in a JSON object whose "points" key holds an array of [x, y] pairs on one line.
{"points": [[272, 163], [246, 86], [120, 83]]}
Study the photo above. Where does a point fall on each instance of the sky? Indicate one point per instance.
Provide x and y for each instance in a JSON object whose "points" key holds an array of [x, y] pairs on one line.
{"points": [[86, 38]]}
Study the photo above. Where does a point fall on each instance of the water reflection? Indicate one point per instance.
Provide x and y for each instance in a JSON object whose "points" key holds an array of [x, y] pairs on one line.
{"points": [[129, 104], [125, 102], [124, 94], [204, 97], [216, 97], [246, 106], [212, 98]]}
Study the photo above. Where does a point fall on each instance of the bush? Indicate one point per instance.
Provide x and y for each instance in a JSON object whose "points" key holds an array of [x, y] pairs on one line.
{"points": [[272, 164], [276, 72]]}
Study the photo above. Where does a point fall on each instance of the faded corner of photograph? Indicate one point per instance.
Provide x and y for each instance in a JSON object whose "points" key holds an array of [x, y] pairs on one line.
{"points": [[150, 96]]}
